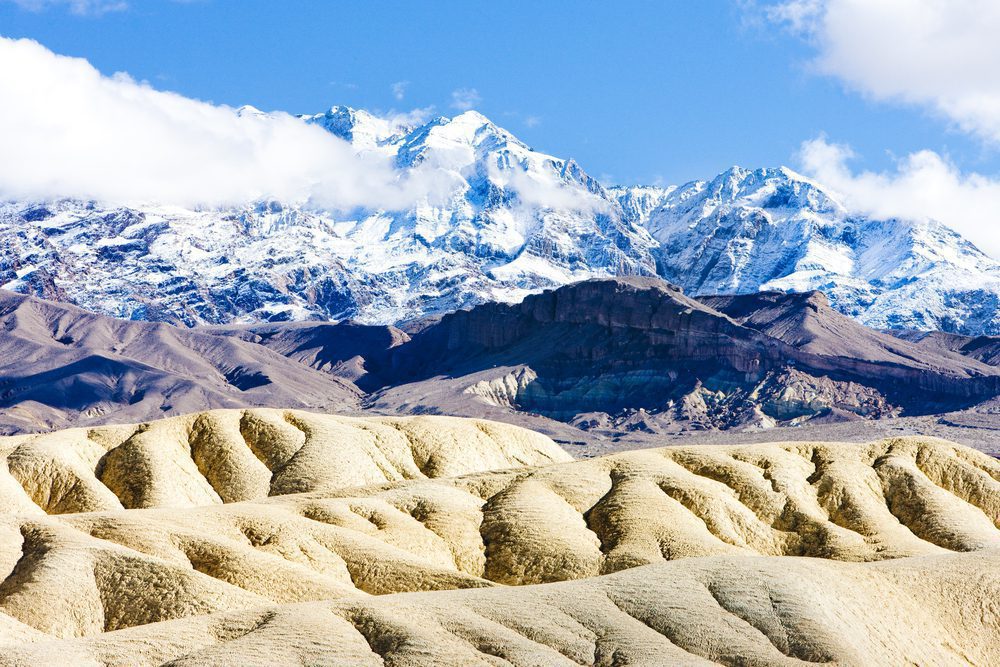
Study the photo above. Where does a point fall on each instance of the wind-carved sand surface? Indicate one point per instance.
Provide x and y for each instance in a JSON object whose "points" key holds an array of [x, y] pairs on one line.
{"points": [[282, 537]]}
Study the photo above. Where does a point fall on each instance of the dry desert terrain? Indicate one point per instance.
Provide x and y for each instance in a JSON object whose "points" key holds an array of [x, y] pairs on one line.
{"points": [[263, 537]]}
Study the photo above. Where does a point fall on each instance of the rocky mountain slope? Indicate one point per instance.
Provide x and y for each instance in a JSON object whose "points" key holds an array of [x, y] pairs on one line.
{"points": [[772, 229], [638, 353], [635, 555], [601, 357], [508, 220], [981, 348], [61, 365]]}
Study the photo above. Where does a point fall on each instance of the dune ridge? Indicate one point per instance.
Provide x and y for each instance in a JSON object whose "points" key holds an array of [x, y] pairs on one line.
{"points": [[231, 455], [695, 611], [285, 537]]}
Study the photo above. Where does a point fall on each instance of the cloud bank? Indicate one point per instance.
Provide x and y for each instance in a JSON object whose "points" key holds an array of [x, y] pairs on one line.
{"points": [[923, 185], [936, 55], [66, 130]]}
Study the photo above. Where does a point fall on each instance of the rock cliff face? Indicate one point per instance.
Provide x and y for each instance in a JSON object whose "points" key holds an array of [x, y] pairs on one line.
{"points": [[635, 354], [615, 346]]}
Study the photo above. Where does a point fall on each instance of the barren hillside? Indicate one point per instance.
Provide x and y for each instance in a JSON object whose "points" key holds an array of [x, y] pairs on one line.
{"points": [[279, 537]]}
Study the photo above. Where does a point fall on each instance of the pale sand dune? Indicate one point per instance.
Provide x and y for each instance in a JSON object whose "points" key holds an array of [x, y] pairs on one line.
{"points": [[261, 537], [928, 610], [231, 455]]}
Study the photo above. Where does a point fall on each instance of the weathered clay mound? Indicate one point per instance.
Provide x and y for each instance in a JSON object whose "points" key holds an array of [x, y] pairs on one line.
{"points": [[86, 573], [698, 611], [224, 456]]}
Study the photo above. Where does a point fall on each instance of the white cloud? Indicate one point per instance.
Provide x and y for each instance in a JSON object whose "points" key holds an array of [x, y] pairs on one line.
{"points": [[800, 15], [938, 54], [464, 99], [411, 118], [532, 121], [68, 131], [399, 89], [543, 189], [80, 7], [923, 185]]}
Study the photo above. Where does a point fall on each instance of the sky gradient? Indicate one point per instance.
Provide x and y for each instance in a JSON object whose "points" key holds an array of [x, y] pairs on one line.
{"points": [[636, 92]]}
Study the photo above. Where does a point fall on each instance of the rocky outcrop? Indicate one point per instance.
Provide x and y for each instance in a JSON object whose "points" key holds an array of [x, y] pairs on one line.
{"points": [[504, 391], [608, 347], [613, 346]]}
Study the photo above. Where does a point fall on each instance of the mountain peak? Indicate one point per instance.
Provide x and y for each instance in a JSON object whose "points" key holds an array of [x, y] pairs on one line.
{"points": [[250, 111], [362, 128], [471, 117], [473, 128], [510, 221], [792, 175]]}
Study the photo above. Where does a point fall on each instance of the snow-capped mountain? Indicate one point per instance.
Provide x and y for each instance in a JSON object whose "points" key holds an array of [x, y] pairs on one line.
{"points": [[514, 220], [511, 221], [772, 229]]}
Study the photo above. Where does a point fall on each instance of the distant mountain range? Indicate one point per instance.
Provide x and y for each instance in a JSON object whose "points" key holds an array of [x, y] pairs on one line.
{"points": [[514, 221], [601, 357], [772, 229]]}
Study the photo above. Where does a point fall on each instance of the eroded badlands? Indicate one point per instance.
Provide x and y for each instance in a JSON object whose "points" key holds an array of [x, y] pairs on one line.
{"points": [[284, 537]]}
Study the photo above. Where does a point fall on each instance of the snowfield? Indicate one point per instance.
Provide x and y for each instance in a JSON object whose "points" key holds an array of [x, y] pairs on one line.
{"points": [[512, 221]]}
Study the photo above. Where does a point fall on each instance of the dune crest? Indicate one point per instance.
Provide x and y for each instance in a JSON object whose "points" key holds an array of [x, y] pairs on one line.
{"points": [[282, 537], [223, 456]]}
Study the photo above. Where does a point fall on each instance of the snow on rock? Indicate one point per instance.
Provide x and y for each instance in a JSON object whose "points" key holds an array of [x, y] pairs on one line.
{"points": [[773, 229], [514, 221]]}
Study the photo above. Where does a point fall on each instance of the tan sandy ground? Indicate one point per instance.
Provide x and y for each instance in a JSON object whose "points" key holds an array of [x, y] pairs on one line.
{"points": [[927, 610], [230, 455], [260, 537]]}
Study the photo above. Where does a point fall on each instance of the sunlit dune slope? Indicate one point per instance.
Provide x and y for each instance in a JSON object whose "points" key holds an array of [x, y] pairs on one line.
{"points": [[72, 572]]}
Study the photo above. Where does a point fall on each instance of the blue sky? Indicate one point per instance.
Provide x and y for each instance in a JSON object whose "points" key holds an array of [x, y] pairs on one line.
{"points": [[634, 91]]}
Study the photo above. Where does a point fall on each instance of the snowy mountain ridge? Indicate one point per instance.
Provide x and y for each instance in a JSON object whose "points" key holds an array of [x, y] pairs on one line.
{"points": [[774, 229], [513, 220]]}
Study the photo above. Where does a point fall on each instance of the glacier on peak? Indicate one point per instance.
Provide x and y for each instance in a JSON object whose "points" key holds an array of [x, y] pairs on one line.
{"points": [[510, 221]]}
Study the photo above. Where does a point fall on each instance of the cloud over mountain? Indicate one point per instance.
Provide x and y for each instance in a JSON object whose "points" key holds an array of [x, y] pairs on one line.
{"points": [[934, 54], [66, 130], [937, 56], [924, 185]]}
